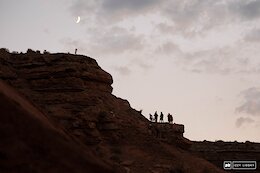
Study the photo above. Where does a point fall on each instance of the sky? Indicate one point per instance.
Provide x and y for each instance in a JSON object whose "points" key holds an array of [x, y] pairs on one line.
{"points": [[196, 59]]}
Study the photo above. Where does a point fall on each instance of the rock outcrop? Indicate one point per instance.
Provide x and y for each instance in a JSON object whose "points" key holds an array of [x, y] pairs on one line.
{"points": [[219, 151], [30, 143], [74, 95]]}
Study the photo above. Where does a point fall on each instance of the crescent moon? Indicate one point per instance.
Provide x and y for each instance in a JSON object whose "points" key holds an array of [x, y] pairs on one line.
{"points": [[78, 20]]}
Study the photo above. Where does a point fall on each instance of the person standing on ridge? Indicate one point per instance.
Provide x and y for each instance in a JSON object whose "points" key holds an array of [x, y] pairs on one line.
{"points": [[169, 117], [76, 51], [161, 117], [151, 117], [155, 116]]}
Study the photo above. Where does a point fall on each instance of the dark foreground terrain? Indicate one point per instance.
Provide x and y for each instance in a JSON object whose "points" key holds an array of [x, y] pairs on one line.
{"points": [[58, 114], [29, 143]]}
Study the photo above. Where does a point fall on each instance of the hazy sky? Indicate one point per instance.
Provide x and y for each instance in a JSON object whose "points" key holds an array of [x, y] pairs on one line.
{"points": [[197, 59]]}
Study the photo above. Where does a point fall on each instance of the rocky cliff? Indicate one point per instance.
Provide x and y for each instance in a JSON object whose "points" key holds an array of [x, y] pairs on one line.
{"points": [[219, 151], [74, 95], [30, 143]]}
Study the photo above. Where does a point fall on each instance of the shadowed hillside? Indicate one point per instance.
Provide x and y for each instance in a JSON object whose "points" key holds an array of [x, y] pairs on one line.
{"points": [[29, 143], [78, 119], [219, 151]]}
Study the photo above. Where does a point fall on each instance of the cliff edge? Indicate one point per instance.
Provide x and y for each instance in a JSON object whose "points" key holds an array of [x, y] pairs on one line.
{"points": [[74, 96]]}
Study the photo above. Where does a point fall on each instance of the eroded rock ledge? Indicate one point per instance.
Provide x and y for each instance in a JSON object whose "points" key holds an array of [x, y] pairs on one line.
{"points": [[74, 93]]}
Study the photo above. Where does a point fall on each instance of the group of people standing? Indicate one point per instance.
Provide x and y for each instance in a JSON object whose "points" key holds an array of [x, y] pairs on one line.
{"points": [[155, 117]]}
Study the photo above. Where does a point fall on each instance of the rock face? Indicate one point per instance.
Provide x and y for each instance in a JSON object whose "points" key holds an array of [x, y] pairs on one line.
{"points": [[217, 152], [170, 133], [74, 95], [30, 143]]}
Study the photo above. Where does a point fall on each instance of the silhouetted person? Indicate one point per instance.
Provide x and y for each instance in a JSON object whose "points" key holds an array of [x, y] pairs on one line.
{"points": [[151, 117], [161, 117], [169, 117], [155, 116], [140, 112], [76, 51]]}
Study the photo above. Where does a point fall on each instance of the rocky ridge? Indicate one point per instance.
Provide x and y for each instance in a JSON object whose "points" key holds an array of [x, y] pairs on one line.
{"points": [[219, 151], [75, 95]]}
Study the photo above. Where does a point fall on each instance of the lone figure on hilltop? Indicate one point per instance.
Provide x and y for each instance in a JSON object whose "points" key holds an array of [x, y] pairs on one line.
{"points": [[76, 51]]}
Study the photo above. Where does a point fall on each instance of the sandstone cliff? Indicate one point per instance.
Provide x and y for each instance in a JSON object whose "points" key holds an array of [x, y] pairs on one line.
{"points": [[74, 95], [30, 143], [219, 151]]}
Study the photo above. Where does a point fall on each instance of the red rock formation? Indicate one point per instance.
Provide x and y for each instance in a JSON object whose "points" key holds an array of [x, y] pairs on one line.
{"points": [[219, 151], [74, 94], [30, 143]]}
